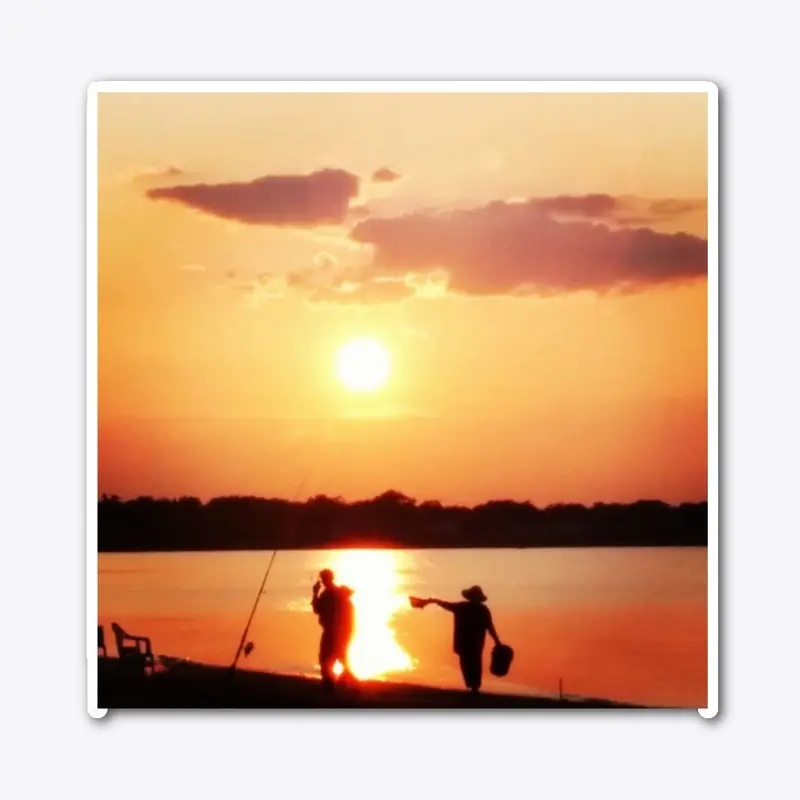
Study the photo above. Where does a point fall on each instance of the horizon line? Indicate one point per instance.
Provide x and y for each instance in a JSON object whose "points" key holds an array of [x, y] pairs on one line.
{"points": [[417, 500]]}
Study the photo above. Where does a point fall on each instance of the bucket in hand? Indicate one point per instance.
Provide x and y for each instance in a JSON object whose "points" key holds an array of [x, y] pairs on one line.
{"points": [[502, 656]]}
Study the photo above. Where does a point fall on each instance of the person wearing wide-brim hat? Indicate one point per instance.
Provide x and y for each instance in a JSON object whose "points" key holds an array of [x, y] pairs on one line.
{"points": [[472, 620], [474, 593]]}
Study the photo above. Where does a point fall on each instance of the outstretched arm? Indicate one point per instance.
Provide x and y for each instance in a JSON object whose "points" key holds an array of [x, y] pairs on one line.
{"points": [[442, 604]]}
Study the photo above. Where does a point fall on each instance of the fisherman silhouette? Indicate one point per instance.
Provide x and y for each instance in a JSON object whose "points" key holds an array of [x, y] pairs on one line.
{"points": [[472, 620], [336, 614]]}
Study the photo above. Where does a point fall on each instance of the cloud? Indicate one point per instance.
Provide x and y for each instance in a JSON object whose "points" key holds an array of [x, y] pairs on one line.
{"points": [[193, 268], [257, 289], [428, 285], [635, 212], [670, 214], [370, 292], [522, 247], [325, 261], [541, 245], [319, 198], [672, 206], [385, 175], [356, 286], [665, 209], [622, 211], [586, 205], [340, 289]]}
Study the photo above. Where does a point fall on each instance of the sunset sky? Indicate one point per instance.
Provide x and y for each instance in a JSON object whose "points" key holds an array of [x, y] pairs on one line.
{"points": [[534, 264]]}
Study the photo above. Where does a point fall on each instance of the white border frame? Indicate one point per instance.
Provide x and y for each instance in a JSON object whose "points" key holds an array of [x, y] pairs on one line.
{"points": [[457, 86]]}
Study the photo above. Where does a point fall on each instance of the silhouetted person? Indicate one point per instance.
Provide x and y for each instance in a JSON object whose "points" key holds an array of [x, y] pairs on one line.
{"points": [[472, 620], [334, 609]]}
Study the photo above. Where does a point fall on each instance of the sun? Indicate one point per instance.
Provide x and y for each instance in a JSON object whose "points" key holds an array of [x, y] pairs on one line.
{"points": [[363, 365]]}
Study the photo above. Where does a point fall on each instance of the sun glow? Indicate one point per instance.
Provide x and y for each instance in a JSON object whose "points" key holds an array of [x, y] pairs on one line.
{"points": [[375, 577], [363, 365]]}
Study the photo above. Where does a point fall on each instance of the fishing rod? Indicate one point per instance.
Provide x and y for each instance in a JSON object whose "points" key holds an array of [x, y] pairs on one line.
{"points": [[261, 589]]}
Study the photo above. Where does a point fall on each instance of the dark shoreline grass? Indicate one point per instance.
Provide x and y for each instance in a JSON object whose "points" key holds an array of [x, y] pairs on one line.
{"points": [[199, 686]]}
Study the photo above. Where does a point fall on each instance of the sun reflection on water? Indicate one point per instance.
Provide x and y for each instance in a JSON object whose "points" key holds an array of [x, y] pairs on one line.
{"points": [[374, 575]]}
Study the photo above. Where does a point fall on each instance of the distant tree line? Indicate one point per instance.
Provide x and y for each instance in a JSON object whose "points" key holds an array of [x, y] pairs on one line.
{"points": [[389, 520]]}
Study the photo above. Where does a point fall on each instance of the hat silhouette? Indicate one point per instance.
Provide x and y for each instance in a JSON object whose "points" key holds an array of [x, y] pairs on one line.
{"points": [[474, 593]]}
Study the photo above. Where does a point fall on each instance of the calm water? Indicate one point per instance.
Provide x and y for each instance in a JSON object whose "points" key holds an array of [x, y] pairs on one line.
{"points": [[619, 623]]}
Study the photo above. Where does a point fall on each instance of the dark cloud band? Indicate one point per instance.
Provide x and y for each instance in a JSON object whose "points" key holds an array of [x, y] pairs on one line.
{"points": [[512, 247], [320, 198]]}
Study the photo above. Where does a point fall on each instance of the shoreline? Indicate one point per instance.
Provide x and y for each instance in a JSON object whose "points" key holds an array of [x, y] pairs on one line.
{"points": [[191, 685]]}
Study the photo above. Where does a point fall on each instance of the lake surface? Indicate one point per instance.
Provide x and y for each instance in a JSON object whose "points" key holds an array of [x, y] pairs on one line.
{"points": [[627, 624]]}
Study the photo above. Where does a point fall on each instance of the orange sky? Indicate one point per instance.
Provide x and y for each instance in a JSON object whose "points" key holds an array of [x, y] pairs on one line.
{"points": [[537, 272]]}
